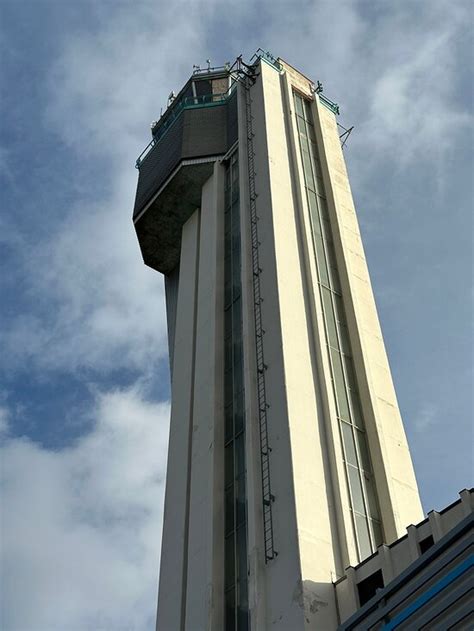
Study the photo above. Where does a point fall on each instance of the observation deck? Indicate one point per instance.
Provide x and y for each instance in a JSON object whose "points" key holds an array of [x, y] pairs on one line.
{"points": [[198, 127]]}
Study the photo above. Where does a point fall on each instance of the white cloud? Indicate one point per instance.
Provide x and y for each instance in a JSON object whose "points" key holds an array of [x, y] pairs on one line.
{"points": [[81, 527], [4, 418], [95, 303], [413, 110], [426, 418]]}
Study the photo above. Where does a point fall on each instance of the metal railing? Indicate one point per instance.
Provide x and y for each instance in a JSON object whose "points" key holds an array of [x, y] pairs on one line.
{"points": [[268, 57]]}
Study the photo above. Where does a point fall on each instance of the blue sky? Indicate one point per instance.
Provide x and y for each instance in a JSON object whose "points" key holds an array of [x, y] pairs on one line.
{"points": [[84, 392]]}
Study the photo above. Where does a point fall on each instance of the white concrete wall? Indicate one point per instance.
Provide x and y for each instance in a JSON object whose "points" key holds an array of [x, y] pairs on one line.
{"points": [[344, 544], [393, 469], [299, 591]]}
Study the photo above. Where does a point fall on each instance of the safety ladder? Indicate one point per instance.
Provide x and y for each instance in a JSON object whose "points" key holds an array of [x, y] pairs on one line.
{"points": [[265, 449]]}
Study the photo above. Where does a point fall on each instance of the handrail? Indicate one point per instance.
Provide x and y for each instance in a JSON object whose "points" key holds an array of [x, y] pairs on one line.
{"points": [[268, 57], [334, 107]]}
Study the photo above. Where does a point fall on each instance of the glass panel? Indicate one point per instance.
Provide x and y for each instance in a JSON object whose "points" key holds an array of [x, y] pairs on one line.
{"points": [[235, 173], [313, 210], [307, 110], [323, 207], [235, 283], [227, 233], [350, 376], [227, 293], [330, 321], [238, 373], [229, 464], [239, 414], [340, 315], [321, 260], [301, 126], [234, 456], [377, 532], [240, 500], [319, 186], [227, 267], [236, 317], [341, 396], [328, 239], [299, 105], [228, 321], [344, 334], [229, 430], [230, 609], [228, 385], [241, 555], [235, 197], [228, 352], [242, 615], [235, 219], [363, 450], [370, 491], [356, 489], [357, 416], [308, 173], [363, 536], [229, 510], [240, 454], [335, 281], [349, 445], [238, 379], [316, 163], [331, 254], [227, 179], [236, 249]]}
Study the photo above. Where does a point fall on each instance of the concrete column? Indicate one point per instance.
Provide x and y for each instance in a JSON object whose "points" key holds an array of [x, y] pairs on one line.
{"points": [[386, 563], [173, 566], [412, 533], [467, 501], [204, 604], [436, 525]]}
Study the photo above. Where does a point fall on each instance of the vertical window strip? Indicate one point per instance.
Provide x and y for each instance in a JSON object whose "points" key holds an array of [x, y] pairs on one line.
{"points": [[235, 512], [362, 495]]}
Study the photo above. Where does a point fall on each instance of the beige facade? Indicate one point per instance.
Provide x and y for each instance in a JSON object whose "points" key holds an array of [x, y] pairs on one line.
{"points": [[268, 560]]}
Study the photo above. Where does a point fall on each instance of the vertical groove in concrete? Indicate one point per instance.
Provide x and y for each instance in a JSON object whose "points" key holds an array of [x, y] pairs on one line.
{"points": [[190, 428]]}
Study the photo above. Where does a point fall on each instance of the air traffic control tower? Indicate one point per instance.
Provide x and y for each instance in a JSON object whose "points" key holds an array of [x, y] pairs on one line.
{"points": [[287, 459]]}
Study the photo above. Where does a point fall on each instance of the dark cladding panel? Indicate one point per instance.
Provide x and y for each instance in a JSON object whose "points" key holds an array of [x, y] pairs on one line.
{"points": [[203, 86], [232, 121], [196, 133], [159, 164], [171, 288], [186, 150], [204, 131]]}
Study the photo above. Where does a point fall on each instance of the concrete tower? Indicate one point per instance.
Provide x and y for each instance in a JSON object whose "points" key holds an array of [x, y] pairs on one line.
{"points": [[287, 457]]}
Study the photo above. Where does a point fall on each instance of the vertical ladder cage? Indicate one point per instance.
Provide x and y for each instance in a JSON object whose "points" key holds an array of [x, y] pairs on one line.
{"points": [[262, 404]]}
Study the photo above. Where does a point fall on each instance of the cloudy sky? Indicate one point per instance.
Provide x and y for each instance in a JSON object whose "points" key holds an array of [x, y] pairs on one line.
{"points": [[84, 386]]}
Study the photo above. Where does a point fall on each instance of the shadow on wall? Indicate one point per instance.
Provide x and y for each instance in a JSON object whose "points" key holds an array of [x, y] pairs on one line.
{"points": [[310, 597]]}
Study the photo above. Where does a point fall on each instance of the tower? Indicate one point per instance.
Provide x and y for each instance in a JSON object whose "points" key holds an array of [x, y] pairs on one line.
{"points": [[287, 456]]}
